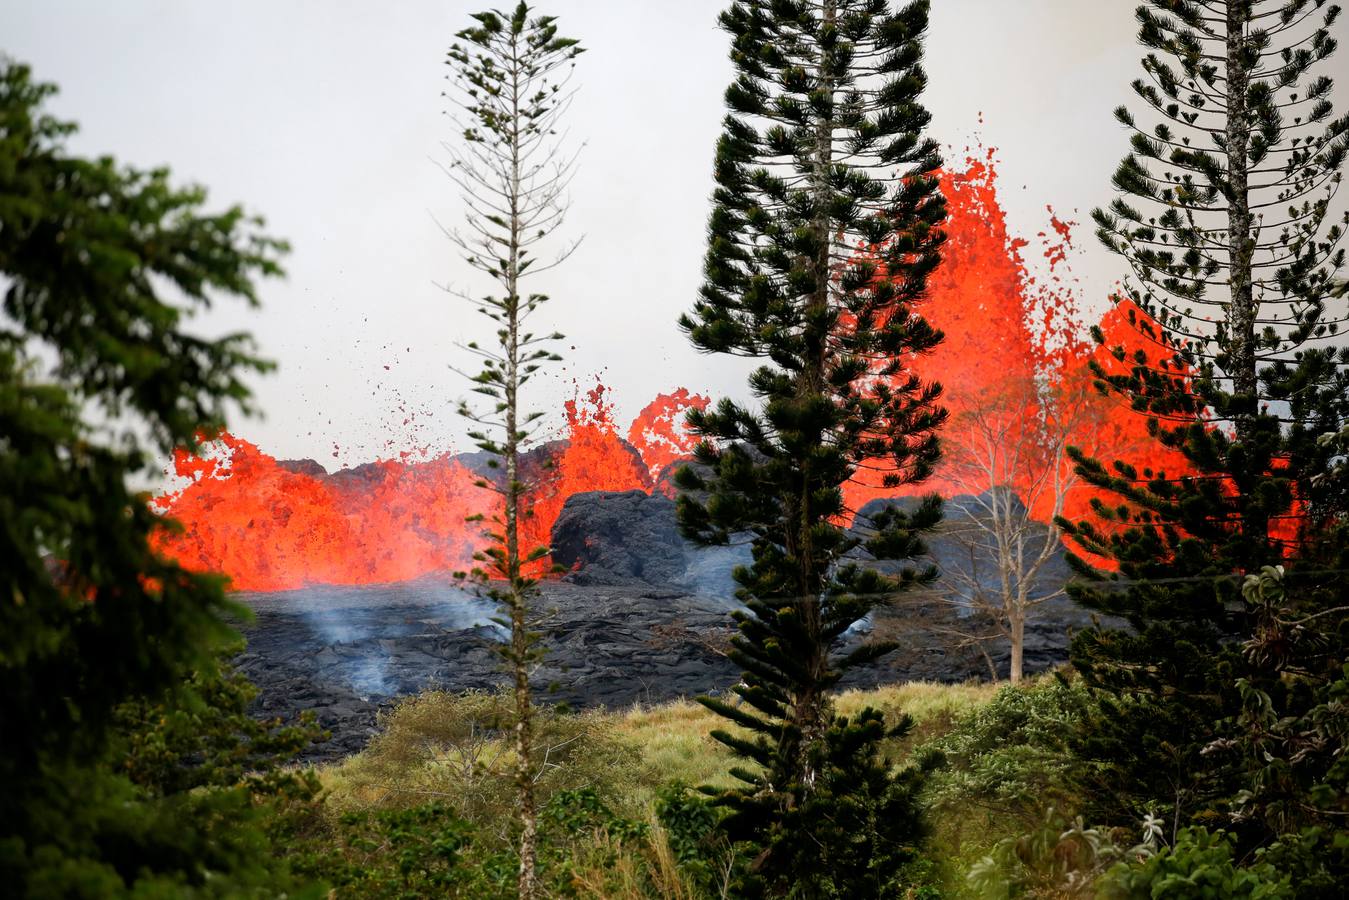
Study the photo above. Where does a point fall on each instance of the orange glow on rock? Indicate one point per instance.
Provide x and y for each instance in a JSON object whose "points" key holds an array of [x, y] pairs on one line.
{"points": [[1007, 332], [593, 458], [275, 525]]}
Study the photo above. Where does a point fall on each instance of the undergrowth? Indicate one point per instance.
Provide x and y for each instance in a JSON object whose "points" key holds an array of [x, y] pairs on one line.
{"points": [[426, 808]]}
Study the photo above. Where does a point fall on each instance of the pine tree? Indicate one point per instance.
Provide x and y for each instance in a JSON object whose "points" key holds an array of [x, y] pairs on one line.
{"points": [[1225, 215], [102, 268], [509, 79], [825, 226]]}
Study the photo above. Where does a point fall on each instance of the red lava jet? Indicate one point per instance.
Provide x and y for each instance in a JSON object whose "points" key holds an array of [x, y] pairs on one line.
{"points": [[1005, 329], [277, 525], [274, 525]]}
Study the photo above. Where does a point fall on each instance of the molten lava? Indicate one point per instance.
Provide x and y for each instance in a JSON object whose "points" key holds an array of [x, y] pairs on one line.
{"points": [[1014, 365], [981, 297], [592, 458], [659, 434], [275, 525]]}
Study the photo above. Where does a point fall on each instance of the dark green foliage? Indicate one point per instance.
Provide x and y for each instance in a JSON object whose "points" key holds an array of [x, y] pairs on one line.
{"points": [[509, 72], [1001, 765], [205, 738], [851, 832], [1287, 743], [414, 852], [1200, 864], [699, 845], [427, 850], [102, 266], [1225, 216], [825, 225], [577, 811]]}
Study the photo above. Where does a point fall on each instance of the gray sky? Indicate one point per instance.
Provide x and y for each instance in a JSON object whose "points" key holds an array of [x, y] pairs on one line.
{"points": [[325, 116]]}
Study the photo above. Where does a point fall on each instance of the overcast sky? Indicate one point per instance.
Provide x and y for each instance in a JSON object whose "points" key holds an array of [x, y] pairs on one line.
{"points": [[326, 117]]}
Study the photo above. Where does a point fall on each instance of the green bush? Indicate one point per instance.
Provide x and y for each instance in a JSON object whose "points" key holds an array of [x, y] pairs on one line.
{"points": [[429, 850], [1200, 865], [1007, 761], [700, 848], [1316, 859], [450, 748], [417, 851], [1059, 858]]}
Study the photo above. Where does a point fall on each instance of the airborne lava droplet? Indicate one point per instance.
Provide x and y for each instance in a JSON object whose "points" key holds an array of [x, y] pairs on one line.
{"points": [[275, 525]]}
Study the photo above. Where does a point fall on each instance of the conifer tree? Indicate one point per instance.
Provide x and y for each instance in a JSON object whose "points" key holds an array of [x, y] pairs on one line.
{"points": [[1226, 215], [102, 268], [825, 226], [509, 78]]}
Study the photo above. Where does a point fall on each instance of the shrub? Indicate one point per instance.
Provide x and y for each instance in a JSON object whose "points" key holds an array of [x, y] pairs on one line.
{"points": [[1058, 859], [450, 748], [1009, 757], [1201, 865]]}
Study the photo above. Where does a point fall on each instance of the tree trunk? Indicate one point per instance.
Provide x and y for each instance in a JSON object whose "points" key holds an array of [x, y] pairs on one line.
{"points": [[1018, 638], [808, 708], [1242, 311], [524, 711]]}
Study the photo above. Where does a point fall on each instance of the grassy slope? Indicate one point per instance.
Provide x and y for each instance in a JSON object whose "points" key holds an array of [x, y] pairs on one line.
{"points": [[441, 745], [673, 743], [444, 748]]}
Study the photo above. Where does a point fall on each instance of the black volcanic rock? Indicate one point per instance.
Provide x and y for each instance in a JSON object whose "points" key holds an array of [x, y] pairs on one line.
{"points": [[347, 652], [643, 617], [964, 550], [309, 467], [631, 537], [533, 462], [364, 476], [619, 538], [963, 543]]}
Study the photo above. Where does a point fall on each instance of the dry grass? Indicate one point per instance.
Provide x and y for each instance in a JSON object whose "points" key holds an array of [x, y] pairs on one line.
{"points": [[607, 869], [449, 748], [441, 746], [674, 743], [446, 747]]}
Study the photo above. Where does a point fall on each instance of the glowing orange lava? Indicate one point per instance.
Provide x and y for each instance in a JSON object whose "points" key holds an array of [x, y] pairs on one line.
{"points": [[659, 434], [275, 525], [594, 458], [979, 298], [272, 525], [1014, 365]]}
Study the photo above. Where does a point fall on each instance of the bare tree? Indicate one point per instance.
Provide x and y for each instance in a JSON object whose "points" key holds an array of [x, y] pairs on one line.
{"points": [[1009, 452], [509, 81]]}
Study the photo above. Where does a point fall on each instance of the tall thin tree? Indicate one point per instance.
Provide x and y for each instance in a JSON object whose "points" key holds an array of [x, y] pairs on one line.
{"points": [[825, 225], [510, 80], [1226, 216]]}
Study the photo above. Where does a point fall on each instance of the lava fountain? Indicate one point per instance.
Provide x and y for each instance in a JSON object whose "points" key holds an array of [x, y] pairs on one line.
{"points": [[278, 525], [275, 525]]}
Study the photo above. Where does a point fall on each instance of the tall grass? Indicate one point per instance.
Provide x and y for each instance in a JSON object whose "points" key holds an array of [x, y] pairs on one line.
{"points": [[450, 748]]}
